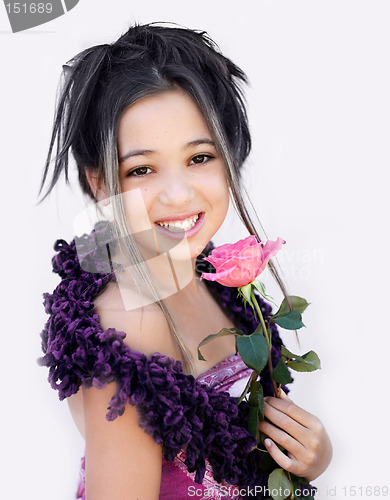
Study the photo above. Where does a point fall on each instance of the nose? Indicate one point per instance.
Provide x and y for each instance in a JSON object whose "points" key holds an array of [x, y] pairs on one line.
{"points": [[177, 190]]}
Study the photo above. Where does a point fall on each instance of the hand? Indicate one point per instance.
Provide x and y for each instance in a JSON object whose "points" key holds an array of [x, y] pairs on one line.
{"points": [[300, 433]]}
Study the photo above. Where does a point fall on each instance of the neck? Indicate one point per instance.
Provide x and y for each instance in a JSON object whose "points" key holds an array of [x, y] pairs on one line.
{"points": [[175, 278]]}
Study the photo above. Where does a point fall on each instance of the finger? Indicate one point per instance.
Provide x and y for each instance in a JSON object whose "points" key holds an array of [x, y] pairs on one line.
{"points": [[283, 395], [286, 423], [288, 442], [287, 407], [280, 458]]}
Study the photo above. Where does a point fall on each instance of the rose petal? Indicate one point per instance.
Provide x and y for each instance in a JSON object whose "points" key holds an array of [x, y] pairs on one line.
{"points": [[271, 248], [240, 263], [218, 275]]}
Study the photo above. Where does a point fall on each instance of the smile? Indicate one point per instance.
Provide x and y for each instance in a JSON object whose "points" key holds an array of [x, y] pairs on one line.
{"points": [[180, 226]]}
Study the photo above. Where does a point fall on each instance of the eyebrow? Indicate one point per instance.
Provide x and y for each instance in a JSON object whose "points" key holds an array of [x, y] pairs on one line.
{"points": [[146, 152]]}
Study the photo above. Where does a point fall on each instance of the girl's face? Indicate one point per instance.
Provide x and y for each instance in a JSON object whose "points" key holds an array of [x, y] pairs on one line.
{"points": [[172, 177]]}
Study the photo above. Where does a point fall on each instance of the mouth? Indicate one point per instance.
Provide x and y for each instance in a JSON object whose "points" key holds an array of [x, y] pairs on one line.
{"points": [[180, 226], [187, 225]]}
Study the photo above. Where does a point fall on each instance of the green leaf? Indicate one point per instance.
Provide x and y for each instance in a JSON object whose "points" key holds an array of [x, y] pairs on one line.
{"points": [[256, 398], [253, 350], [289, 354], [253, 420], [312, 358], [308, 362], [260, 288], [281, 374], [290, 321], [200, 356], [259, 330], [246, 293], [279, 485], [297, 303], [222, 333], [252, 378]]}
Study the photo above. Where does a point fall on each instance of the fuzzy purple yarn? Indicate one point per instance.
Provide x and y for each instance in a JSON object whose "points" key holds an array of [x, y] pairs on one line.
{"points": [[174, 408]]}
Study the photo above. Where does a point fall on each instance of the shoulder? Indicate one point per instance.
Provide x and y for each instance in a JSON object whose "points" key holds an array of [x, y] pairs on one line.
{"points": [[90, 344], [146, 327]]}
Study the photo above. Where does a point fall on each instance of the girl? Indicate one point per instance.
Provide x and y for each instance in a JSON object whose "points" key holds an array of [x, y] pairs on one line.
{"points": [[157, 126]]}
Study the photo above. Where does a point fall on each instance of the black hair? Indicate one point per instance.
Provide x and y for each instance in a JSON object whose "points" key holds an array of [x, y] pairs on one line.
{"points": [[102, 81]]}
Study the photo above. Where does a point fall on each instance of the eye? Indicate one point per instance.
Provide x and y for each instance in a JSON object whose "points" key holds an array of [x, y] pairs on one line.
{"points": [[139, 172], [199, 159]]}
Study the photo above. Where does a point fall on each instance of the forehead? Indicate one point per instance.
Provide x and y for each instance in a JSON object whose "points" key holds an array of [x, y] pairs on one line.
{"points": [[167, 116]]}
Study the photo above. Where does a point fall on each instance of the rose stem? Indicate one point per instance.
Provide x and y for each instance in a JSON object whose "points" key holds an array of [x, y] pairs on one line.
{"points": [[254, 300]]}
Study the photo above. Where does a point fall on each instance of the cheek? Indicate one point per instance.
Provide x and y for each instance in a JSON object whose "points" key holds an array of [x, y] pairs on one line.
{"points": [[137, 210], [222, 198], [135, 203], [219, 193]]}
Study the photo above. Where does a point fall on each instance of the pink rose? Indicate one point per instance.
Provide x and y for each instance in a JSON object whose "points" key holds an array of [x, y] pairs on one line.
{"points": [[240, 263]]}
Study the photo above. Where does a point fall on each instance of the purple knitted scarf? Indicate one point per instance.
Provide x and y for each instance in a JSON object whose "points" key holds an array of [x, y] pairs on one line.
{"points": [[174, 408]]}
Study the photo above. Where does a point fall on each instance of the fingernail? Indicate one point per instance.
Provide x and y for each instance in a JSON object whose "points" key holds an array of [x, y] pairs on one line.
{"points": [[268, 443]]}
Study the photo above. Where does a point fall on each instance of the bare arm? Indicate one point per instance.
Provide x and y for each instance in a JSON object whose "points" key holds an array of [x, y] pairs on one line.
{"points": [[121, 460]]}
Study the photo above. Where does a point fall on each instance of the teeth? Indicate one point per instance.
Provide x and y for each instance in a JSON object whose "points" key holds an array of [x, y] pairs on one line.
{"points": [[180, 226]]}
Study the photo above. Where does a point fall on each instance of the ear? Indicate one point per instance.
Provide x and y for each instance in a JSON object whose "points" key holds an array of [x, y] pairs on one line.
{"points": [[97, 186]]}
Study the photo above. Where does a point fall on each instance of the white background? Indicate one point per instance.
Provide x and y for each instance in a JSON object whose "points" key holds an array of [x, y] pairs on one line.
{"points": [[319, 107]]}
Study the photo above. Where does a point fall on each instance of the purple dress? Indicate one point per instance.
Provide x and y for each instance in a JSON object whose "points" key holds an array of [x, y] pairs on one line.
{"points": [[177, 410], [229, 375]]}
